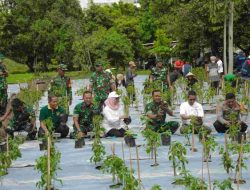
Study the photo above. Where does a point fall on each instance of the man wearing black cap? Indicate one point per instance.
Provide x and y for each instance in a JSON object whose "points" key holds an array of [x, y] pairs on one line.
{"points": [[60, 87], [3, 86], [101, 83], [229, 113]]}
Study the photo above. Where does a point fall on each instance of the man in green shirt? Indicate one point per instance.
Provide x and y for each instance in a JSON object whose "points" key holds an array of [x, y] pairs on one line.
{"points": [[60, 87], [3, 86], [23, 119], [101, 83], [156, 113], [83, 115], [58, 117], [159, 73]]}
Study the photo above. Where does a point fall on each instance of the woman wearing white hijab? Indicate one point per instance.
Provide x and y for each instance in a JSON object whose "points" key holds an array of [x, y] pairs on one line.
{"points": [[113, 115]]}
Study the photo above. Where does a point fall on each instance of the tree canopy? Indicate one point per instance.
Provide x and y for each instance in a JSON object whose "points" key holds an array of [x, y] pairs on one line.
{"points": [[41, 33]]}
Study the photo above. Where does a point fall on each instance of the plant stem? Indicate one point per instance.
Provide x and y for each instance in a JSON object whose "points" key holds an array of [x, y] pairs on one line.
{"points": [[208, 172], [193, 142], [202, 160], [7, 144], [239, 162], [138, 167], [48, 164]]}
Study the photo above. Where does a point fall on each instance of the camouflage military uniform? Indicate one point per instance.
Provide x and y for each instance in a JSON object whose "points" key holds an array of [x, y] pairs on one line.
{"points": [[159, 124], [160, 75], [22, 121], [85, 115], [3, 89], [101, 82], [61, 88]]}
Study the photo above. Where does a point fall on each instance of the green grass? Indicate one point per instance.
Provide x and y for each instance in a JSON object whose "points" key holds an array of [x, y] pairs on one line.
{"points": [[19, 73], [14, 67], [27, 77]]}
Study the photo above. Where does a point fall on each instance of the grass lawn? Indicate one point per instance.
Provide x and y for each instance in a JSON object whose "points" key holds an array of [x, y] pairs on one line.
{"points": [[19, 73]]}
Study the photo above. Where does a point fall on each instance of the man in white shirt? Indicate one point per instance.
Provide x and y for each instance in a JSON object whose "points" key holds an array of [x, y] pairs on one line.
{"points": [[190, 109]]}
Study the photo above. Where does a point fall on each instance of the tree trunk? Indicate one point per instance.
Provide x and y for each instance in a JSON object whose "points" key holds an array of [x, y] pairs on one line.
{"points": [[30, 63], [225, 46], [230, 37]]}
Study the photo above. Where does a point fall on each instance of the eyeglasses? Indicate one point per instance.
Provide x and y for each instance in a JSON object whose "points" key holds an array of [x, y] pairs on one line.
{"points": [[193, 99]]}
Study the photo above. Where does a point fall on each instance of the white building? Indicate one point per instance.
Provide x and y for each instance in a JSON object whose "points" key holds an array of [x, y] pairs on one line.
{"points": [[85, 3]]}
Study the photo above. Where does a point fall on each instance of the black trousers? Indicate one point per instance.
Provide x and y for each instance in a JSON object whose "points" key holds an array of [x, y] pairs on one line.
{"points": [[222, 128], [62, 129], [116, 133]]}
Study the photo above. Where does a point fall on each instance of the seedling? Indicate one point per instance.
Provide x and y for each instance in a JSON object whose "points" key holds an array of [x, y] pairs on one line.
{"points": [[13, 152], [153, 142], [226, 159], [177, 154], [115, 165], [48, 164], [209, 145], [224, 185], [190, 182], [126, 103], [97, 146], [156, 187]]}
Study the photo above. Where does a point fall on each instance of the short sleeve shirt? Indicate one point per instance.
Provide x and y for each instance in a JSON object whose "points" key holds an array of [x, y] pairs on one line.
{"points": [[84, 113], [188, 110], [46, 112]]}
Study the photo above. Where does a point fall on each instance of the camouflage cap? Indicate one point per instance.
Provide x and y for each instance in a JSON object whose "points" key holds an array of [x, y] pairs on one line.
{"points": [[98, 64], [63, 67]]}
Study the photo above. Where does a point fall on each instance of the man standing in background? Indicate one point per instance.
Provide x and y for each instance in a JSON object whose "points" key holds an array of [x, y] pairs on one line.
{"points": [[61, 88]]}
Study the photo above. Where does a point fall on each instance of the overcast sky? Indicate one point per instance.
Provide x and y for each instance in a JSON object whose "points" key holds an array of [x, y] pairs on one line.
{"points": [[84, 2]]}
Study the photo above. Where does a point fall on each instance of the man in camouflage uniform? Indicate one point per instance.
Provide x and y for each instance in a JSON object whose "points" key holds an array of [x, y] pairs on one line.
{"points": [[83, 116], [3, 86], [60, 87], [156, 113], [23, 119], [228, 113], [101, 83], [159, 73]]}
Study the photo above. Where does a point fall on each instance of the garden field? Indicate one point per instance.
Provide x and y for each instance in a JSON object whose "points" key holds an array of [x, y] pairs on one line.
{"points": [[77, 172]]}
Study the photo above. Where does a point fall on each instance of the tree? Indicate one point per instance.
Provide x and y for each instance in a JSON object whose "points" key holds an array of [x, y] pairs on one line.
{"points": [[37, 31]]}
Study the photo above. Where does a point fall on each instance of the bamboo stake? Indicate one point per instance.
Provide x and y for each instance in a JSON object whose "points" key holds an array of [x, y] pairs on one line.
{"points": [[240, 160], [193, 141], [202, 161], [7, 144], [123, 155], [208, 172], [48, 164], [138, 167], [130, 161]]}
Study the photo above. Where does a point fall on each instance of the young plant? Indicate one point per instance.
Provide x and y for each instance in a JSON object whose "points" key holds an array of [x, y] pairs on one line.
{"points": [[240, 149], [225, 156], [153, 142], [48, 164], [224, 185], [156, 187], [10, 155], [116, 166], [177, 154], [97, 146], [126, 103], [190, 182]]}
